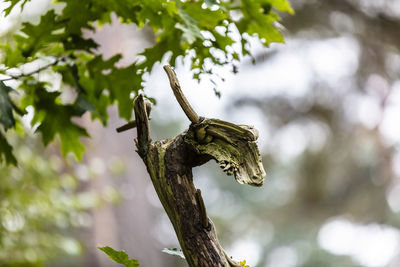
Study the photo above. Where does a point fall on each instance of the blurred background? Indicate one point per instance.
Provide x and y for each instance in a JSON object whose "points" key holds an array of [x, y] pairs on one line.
{"points": [[327, 105]]}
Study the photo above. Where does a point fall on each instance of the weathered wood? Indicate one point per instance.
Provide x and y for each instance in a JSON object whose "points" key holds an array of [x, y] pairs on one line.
{"points": [[180, 97], [142, 124], [170, 162]]}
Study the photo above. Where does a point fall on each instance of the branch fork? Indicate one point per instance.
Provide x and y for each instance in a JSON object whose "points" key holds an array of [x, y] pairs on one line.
{"points": [[170, 162]]}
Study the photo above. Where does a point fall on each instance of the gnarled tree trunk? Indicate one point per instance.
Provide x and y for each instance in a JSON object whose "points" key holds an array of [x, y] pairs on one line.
{"points": [[170, 162]]}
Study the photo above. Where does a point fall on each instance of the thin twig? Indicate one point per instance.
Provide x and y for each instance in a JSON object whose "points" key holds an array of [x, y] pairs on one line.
{"points": [[32, 72], [127, 126], [180, 97]]}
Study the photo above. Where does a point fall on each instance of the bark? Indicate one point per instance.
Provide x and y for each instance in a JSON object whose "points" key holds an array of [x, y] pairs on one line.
{"points": [[170, 162]]}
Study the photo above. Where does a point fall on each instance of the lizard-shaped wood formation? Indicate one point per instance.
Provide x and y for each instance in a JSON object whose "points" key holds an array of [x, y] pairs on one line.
{"points": [[169, 163]]}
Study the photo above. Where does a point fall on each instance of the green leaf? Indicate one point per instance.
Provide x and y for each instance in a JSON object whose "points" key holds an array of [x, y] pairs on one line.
{"points": [[174, 252], [76, 20], [12, 55], [189, 28], [76, 42], [221, 41], [169, 42], [119, 82], [6, 152], [13, 3], [55, 119], [281, 5], [257, 23], [204, 18], [119, 256], [210, 3], [171, 8], [83, 105], [39, 36], [6, 106]]}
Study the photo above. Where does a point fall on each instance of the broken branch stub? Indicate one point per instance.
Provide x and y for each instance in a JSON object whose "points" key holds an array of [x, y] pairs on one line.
{"points": [[132, 124], [180, 97]]}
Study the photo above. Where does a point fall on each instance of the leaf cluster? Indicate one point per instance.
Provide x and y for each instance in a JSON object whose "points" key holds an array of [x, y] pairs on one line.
{"points": [[206, 31]]}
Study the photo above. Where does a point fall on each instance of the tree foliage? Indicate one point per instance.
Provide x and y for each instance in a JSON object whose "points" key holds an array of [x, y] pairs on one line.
{"points": [[58, 43], [39, 214]]}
